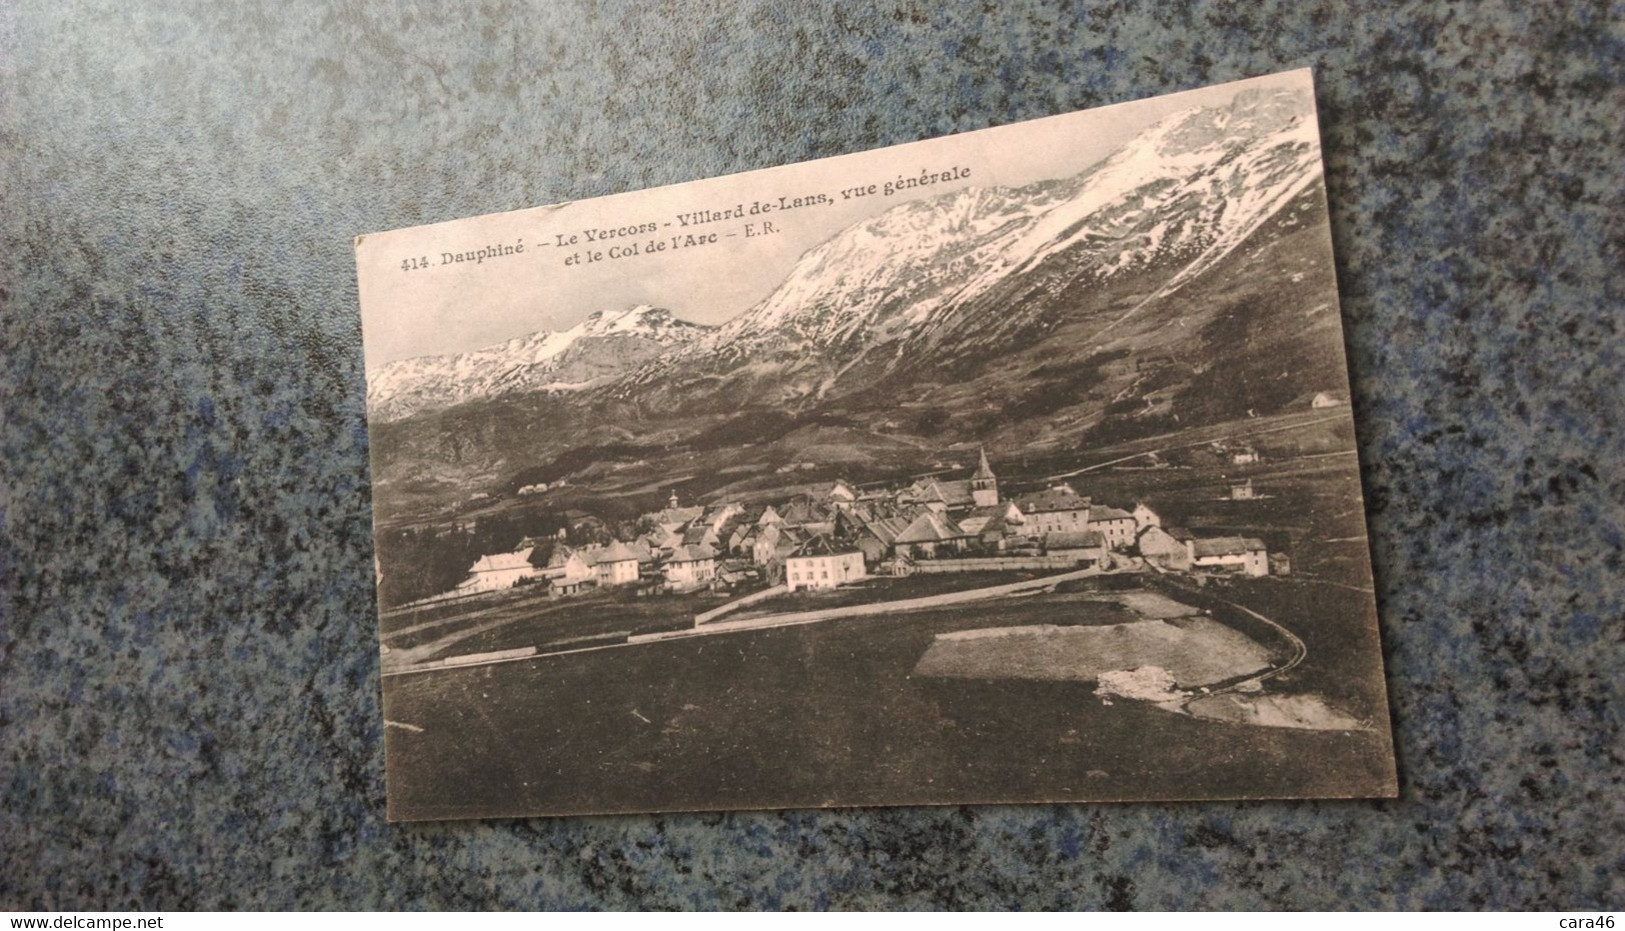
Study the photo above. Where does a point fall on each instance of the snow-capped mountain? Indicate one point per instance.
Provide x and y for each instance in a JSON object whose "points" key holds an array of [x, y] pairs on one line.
{"points": [[967, 271], [594, 352], [1183, 281], [972, 273]]}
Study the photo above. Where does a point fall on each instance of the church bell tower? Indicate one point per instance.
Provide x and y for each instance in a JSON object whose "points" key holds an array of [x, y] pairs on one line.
{"points": [[984, 485]]}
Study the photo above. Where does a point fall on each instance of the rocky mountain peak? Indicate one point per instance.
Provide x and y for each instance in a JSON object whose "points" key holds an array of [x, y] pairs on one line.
{"points": [[603, 346]]}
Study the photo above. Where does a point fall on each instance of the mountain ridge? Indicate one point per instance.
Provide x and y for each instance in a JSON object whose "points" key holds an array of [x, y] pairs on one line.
{"points": [[593, 352], [1017, 315]]}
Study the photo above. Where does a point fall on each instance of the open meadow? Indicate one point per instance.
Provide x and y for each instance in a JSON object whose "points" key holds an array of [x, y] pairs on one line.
{"points": [[830, 714]]}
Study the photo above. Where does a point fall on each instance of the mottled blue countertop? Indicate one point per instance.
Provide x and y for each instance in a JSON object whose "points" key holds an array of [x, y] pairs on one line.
{"points": [[188, 671]]}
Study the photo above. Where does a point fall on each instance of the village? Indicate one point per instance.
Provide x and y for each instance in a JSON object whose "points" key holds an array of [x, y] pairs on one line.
{"points": [[836, 533]]}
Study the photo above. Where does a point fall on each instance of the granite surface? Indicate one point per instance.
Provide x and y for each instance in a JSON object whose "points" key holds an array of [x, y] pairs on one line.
{"points": [[189, 712]]}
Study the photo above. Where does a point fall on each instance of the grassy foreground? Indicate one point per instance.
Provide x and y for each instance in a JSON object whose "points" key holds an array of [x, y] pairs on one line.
{"points": [[823, 715]]}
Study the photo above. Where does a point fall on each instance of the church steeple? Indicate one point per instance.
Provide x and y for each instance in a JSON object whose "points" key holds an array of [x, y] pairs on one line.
{"points": [[983, 470], [984, 485]]}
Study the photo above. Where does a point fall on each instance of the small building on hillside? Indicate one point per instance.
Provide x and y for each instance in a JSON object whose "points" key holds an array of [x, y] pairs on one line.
{"points": [[617, 565], [498, 571], [1242, 490], [691, 567], [1230, 555], [1244, 455], [821, 563], [1326, 399]]}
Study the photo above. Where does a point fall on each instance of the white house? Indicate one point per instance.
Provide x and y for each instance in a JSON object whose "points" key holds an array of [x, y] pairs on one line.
{"points": [[838, 493], [617, 564], [1245, 455], [718, 515], [764, 547], [691, 567], [1243, 555], [498, 571], [820, 563], [1116, 526], [569, 570], [1166, 547], [1145, 517]]}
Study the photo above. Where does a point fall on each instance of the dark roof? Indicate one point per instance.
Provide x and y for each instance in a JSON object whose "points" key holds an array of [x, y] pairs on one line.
{"points": [[1227, 546], [1051, 500], [930, 527], [952, 492], [821, 545], [676, 515], [825, 490], [988, 519], [698, 533], [804, 512], [1101, 512], [884, 529], [697, 553], [983, 470], [561, 555]]}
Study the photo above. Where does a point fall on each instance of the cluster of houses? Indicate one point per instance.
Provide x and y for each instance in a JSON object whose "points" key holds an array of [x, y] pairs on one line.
{"points": [[833, 534]]}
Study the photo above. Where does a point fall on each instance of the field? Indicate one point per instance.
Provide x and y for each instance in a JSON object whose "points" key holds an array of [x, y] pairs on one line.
{"points": [[519, 618], [832, 714], [877, 589]]}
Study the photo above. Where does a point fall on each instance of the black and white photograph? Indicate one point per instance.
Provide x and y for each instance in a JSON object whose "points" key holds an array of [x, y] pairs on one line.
{"points": [[1016, 465]]}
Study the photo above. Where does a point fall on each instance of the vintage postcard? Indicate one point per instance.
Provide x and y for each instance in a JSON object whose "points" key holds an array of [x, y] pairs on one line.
{"points": [[1012, 466]]}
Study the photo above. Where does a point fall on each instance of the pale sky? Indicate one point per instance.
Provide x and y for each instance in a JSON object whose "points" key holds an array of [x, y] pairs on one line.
{"points": [[458, 306]]}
